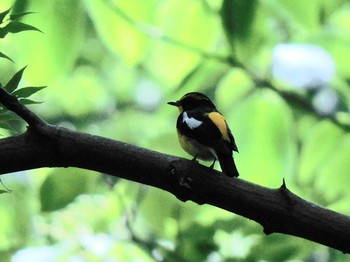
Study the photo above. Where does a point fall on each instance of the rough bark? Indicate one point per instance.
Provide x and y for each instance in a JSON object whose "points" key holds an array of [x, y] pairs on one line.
{"points": [[277, 210]]}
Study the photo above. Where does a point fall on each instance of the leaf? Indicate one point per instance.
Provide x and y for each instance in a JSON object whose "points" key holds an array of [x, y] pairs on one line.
{"points": [[68, 18], [2, 55], [27, 91], [3, 110], [237, 17], [28, 101], [3, 32], [7, 116], [270, 140], [13, 83], [19, 15], [6, 126], [62, 187], [16, 27], [227, 18], [7, 189], [3, 15], [312, 160], [102, 14], [156, 208]]}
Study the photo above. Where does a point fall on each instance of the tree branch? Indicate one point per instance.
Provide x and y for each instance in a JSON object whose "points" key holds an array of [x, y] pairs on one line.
{"points": [[277, 210], [12, 103]]}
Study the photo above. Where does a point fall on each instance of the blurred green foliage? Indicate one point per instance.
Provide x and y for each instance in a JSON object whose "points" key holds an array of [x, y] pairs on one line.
{"points": [[111, 66]]}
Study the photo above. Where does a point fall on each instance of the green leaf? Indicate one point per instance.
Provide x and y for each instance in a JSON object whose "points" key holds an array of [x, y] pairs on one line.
{"points": [[128, 251], [2, 55], [301, 14], [102, 14], [312, 159], [28, 101], [6, 126], [184, 42], [333, 176], [7, 116], [16, 27], [19, 15], [62, 48], [27, 91], [270, 140], [13, 83], [4, 191], [3, 110], [232, 88], [237, 18], [63, 186], [3, 32], [3, 15], [156, 208], [227, 15]]}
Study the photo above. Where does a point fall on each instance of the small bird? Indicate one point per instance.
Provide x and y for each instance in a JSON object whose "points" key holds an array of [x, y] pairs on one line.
{"points": [[203, 132]]}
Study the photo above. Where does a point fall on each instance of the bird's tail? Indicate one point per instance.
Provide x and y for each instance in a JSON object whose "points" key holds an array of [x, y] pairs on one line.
{"points": [[228, 166]]}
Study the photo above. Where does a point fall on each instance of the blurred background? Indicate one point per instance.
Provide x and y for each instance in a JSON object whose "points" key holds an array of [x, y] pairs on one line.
{"points": [[277, 69]]}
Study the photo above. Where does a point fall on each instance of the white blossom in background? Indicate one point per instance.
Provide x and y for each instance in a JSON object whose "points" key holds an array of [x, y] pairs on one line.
{"points": [[148, 94], [37, 254], [302, 66], [325, 101], [305, 66]]}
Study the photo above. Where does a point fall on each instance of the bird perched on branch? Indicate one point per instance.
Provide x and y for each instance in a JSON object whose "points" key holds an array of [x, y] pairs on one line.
{"points": [[203, 132]]}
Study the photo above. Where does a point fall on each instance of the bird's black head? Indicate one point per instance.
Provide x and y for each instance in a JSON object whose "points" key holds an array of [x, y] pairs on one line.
{"points": [[193, 100]]}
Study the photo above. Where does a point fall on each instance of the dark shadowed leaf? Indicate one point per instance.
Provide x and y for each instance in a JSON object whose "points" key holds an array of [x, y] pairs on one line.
{"points": [[237, 17], [3, 15], [5, 126], [2, 55], [27, 91], [13, 83], [8, 116], [3, 32], [16, 27], [19, 15], [26, 101], [227, 16]]}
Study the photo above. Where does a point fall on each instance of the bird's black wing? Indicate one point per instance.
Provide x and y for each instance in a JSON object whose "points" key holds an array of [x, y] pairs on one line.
{"points": [[209, 131], [201, 128]]}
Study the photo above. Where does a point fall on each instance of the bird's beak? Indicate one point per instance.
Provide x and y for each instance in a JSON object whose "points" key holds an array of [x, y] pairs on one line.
{"points": [[174, 103]]}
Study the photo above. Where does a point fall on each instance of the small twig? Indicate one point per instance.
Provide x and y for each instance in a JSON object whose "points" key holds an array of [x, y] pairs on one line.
{"points": [[11, 103], [149, 245], [7, 189]]}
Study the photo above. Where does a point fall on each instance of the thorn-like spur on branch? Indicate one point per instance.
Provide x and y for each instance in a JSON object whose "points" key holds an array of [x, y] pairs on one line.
{"points": [[277, 210], [11, 103]]}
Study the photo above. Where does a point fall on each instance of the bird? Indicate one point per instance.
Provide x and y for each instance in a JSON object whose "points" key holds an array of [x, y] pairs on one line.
{"points": [[204, 133]]}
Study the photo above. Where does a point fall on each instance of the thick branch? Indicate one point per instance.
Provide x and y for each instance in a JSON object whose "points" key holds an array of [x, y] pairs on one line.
{"points": [[277, 210]]}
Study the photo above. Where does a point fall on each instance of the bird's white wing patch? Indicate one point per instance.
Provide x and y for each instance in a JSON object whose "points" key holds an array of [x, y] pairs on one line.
{"points": [[191, 122]]}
